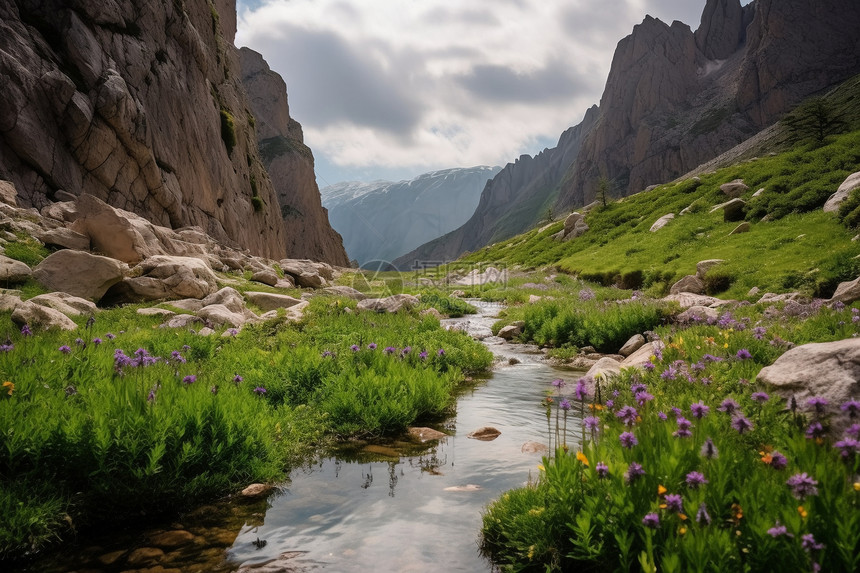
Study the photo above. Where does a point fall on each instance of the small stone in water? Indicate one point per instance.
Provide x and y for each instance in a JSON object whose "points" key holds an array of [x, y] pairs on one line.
{"points": [[486, 433], [467, 487]]}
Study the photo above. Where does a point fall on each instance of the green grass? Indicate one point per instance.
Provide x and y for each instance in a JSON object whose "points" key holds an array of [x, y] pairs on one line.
{"points": [[799, 248], [101, 440]]}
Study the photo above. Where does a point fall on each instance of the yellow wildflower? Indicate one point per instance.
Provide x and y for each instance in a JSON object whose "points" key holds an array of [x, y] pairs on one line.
{"points": [[10, 386], [857, 486], [682, 516], [682, 530], [803, 513], [581, 457], [661, 490], [531, 552], [541, 468]]}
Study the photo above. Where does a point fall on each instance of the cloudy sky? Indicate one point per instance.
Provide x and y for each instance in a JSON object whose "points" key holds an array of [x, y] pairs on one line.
{"points": [[389, 89]]}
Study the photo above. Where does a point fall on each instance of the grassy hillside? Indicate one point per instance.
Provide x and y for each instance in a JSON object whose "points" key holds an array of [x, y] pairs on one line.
{"points": [[797, 247]]}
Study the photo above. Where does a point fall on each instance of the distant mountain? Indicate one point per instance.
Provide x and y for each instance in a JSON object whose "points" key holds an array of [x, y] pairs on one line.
{"points": [[382, 220], [674, 99]]}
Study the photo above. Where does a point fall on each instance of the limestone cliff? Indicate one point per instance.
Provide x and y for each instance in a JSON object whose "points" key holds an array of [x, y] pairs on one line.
{"points": [[675, 99], [139, 104], [290, 165]]}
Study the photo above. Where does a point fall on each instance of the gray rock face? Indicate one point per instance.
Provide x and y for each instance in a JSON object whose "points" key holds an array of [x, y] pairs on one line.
{"points": [[8, 193], [851, 183], [290, 165], [66, 303], [166, 277], [702, 267], [79, 274], [13, 271], [689, 283], [722, 30], [830, 370], [65, 238]]}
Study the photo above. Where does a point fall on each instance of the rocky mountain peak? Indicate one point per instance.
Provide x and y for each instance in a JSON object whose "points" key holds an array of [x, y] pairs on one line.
{"points": [[722, 29]]}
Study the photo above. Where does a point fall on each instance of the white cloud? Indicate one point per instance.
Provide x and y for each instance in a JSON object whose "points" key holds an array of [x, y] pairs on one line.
{"points": [[430, 84]]}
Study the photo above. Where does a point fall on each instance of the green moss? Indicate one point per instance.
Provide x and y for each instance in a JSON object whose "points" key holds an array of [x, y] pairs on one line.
{"points": [[258, 204], [228, 130]]}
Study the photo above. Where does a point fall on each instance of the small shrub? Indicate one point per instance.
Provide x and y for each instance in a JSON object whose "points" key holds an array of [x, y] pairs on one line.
{"points": [[258, 204], [228, 130], [718, 281]]}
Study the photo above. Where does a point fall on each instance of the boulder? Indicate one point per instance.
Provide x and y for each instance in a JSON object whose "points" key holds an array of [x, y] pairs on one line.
{"points": [[636, 342], [742, 228], [256, 490], [686, 300], [847, 292], [64, 238], [733, 210], [510, 331], [771, 298], [391, 303], [12, 271], [641, 356], [570, 222], [78, 273], [66, 303], [534, 448], [830, 370], [43, 317], [662, 222], [734, 188], [154, 311], [310, 280], [182, 321], [187, 304], [64, 211], [109, 231], [346, 291], [266, 276], [842, 193], [220, 315], [270, 301], [478, 278], [578, 230], [702, 267], [228, 297], [169, 277], [485, 433], [605, 368], [8, 193], [9, 300], [699, 314], [425, 434], [689, 283], [285, 283]]}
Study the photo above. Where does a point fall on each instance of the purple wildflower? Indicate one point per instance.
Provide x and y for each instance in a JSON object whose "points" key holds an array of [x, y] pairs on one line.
{"points": [[759, 332], [558, 383], [658, 353], [802, 485], [853, 431], [634, 471], [743, 354], [779, 530], [711, 358], [151, 396], [177, 357], [649, 366], [851, 407], [651, 520], [231, 332], [110, 336], [406, 350], [214, 390], [237, 379], [699, 409], [97, 341], [696, 479], [185, 348], [662, 416], [372, 346], [355, 348], [677, 411], [818, 404], [564, 404], [260, 391], [637, 387], [422, 355], [602, 470], [669, 373], [25, 330], [815, 430], [709, 450], [190, 379], [628, 440], [440, 352], [809, 544], [760, 397], [702, 516], [79, 341], [848, 446], [65, 349], [581, 389], [591, 423], [698, 366], [643, 397], [728, 406], [674, 503], [610, 404], [329, 353], [8, 347], [742, 424], [777, 460], [628, 415]]}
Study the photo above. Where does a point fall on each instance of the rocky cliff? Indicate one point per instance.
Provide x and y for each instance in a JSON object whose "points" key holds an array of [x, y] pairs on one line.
{"points": [[675, 99], [512, 202], [290, 164], [139, 104], [384, 220]]}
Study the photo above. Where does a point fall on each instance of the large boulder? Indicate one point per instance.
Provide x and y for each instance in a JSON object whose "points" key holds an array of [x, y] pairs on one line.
{"points": [[266, 276], [12, 271], [635, 342], [228, 297], [570, 222], [80, 274], [702, 267], [847, 292], [479, 278], [699, 314], [662, 222], [167, 277], [66, 303], [687, 299], [689, 283], [733, 210], [109, 231], [41, 317], [510, 331], [391, 303], [64, 238], [605, 369], [734, 188], [346, 291], [830, 370], [270, 301], [641, 356], [8, 193], [9, 299], [842, 193], [220, 315]]}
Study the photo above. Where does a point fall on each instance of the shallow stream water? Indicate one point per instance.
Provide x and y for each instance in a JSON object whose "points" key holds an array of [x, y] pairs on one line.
{"points": [[386, 506]]}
